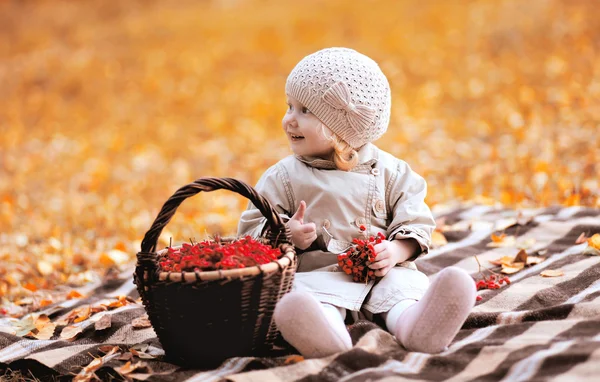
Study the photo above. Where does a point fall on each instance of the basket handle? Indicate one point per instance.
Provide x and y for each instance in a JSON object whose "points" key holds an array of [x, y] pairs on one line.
{"points": [[278, 233]]}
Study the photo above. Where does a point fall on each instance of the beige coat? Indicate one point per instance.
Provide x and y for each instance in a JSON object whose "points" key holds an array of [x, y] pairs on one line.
{"points": [[382, 193]]}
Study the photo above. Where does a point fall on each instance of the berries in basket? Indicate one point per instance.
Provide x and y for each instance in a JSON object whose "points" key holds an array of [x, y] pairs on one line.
{"points": [[211, 255]]}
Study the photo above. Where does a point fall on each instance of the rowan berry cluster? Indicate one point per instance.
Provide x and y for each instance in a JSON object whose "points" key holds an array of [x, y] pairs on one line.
{"points": [[492, 282], [356, 260], [210, 255]]}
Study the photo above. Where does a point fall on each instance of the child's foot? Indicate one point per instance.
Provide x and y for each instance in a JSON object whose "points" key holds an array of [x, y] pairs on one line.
{"points": [[432, 323], [303, 323]]}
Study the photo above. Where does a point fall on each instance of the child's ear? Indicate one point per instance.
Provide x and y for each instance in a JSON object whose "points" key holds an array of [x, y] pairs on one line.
{"points": [[326, 131]]}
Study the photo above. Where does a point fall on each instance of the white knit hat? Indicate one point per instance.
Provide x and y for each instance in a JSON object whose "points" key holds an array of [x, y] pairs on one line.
{"points": [[346, 90]]}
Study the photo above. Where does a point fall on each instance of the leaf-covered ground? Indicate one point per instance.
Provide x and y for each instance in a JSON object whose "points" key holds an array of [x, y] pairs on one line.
{"points": [[106, 108]]}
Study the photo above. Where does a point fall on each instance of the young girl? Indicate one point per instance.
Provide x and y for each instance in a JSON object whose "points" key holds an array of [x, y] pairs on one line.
{"points": [[339, 186]]}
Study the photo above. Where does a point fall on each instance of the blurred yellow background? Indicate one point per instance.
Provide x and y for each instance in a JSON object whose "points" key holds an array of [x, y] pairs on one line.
{"points": [[107, 107]]}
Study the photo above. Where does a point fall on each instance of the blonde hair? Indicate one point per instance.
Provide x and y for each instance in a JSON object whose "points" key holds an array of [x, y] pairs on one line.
{"points": [[344, 156]]}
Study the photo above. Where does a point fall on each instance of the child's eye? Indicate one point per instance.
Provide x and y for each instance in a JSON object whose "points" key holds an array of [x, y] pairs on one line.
{"points": [[289, 107], [305, 110]]}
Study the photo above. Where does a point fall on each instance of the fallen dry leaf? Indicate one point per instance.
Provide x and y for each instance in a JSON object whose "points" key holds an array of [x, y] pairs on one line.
{"points": [[8, 327], [142, 351], [25, 326], [121, 246], [139, 347], [87, 373], [30, 286], [129, 368], [45, 268], [44, 328], [521, 257], [108, 348], [513, 268], [551, 273], [82, 314], [104, 322], [594, 241], [141, 354], [70, 332], [127, 356], [114, 257], [593, 247], [294, 358], [98, 308], [45, 302], [591, 251], [121, 301], [581, 239], [505, 241], [503, 260], [498, 238], [74, 294], [141, 322], [512, 265], [533, 260]]}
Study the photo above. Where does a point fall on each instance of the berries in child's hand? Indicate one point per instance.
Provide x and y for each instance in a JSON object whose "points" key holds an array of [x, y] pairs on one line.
{"points": [[356, 260]]}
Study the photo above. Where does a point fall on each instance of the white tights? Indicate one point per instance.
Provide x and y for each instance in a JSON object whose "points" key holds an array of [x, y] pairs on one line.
{"points": [[391, 317]]}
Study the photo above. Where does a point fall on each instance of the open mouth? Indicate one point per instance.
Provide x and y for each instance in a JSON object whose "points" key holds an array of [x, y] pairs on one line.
{"points": [[296, 137]]}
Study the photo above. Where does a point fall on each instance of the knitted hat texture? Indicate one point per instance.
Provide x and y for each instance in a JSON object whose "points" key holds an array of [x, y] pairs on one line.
{"points": [[346, 90]]}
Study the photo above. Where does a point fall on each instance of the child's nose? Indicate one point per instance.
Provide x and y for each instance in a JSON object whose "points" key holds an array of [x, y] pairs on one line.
{"points": [[289, 120]]}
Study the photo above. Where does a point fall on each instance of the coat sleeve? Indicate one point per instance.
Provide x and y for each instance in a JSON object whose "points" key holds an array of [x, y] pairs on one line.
{"points": [[411, 217], [271, 186]]}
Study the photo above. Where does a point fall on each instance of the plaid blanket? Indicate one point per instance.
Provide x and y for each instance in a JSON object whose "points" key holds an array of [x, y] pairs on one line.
{"points": [[536, 328]]}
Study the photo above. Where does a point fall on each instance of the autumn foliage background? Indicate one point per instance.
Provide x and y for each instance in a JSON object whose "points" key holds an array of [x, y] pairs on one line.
{"points": [[107, 107]]}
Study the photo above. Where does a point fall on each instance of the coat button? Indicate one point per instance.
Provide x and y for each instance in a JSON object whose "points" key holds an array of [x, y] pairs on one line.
{"points": [[326, 224], [360, 221], [379, 206], [375, 171]]}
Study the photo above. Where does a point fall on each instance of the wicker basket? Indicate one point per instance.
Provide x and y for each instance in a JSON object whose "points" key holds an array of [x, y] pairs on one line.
{"points": [[203, 318]]}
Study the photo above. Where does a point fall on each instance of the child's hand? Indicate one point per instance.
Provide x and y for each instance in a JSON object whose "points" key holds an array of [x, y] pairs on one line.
{"points": [[390, 253], [302, 234]]}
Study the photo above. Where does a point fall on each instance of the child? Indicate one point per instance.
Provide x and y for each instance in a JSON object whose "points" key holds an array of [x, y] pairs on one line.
{"points": [[339, 186]]}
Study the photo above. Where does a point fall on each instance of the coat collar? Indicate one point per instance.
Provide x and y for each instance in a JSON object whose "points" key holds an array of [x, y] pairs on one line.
{"points": [[367, 157]]}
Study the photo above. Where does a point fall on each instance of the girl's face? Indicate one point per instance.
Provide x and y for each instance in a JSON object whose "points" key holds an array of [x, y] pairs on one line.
{"points": [[304, 132]]}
